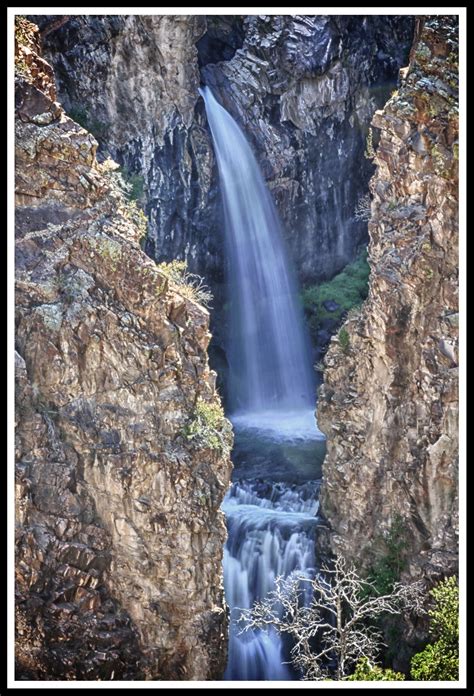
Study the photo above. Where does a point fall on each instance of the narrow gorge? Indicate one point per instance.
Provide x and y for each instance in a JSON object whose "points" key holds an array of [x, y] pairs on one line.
{"points": [[236, 353]]}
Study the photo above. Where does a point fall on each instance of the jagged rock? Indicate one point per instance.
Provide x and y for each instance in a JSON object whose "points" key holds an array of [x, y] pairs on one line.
{"points": [[119, 534], [396, 453]]}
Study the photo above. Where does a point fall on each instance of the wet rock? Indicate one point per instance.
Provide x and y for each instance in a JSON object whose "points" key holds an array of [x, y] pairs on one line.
{"points": [[331, 306]]}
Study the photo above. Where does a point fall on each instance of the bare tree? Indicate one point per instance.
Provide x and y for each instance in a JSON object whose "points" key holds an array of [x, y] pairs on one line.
{"points": [[329, 618]]}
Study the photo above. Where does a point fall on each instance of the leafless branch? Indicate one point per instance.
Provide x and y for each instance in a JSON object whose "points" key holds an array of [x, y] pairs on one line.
{"points": [[329, 617]]}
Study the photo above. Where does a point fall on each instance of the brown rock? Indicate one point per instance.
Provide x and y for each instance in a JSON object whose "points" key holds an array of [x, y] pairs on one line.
{"points": [[396, 454], [118, 563]]}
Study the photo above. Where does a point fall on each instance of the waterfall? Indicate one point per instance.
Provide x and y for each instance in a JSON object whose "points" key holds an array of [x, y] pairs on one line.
{"points": [[272, 509], [271, 533], [268, 353]]}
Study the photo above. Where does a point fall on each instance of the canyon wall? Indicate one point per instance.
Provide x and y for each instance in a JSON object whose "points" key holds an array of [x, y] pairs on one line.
{"points": [[303, 88], [389, 402], [119, 533]]}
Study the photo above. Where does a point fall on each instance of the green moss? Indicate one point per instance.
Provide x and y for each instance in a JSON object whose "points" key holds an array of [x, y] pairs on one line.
{"points": [[348, 289]]}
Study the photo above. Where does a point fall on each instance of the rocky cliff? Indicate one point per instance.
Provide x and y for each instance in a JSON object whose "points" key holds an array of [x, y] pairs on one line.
{"points": [[121, 447], [389, 400], [304, 88]]}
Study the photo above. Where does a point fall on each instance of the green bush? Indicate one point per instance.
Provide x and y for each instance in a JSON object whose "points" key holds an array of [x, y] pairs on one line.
{"points": [[135, 184], [348, 288], [344, 339], [208, 427], [440, 660], [365, 671], [90, 123]]}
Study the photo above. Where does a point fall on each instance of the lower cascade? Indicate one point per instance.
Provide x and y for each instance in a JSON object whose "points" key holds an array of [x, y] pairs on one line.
{"points": [[272, 528], [272, 505]]}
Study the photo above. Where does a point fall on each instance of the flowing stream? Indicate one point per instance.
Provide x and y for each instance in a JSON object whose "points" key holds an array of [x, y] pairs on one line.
{"points": [[272, 505]]}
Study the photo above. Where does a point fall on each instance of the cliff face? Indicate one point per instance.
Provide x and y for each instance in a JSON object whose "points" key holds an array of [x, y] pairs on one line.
{"points": [[133, 80], [119, 533], [389, 400], [304, 89]]}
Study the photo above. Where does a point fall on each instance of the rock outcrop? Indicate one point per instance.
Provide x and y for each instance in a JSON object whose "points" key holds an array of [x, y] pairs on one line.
{"points": [[119, 534], [389, 401]]}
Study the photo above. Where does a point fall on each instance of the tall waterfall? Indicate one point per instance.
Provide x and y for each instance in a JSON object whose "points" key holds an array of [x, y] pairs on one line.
{"points": [[272, 508], [270, 367]]}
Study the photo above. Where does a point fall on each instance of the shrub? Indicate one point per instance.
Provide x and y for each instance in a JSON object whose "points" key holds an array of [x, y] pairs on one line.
{"points": [[89, 123], [208, 427], [135, 184], [344, 340], [440, 660], [190, 285], [366, 671], [387, 569]]}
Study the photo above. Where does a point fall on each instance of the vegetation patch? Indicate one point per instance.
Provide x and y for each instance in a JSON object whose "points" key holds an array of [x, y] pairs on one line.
{"points": [[386, 570], [188, 284], [98, 128], [368, 671], [347, 289], [134, 183], [209, 428], [440, 659]]}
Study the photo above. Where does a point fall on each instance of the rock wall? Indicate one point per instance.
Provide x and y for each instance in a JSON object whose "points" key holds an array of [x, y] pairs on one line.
{"points": [[304, 88], [389, 401], [119, 534]]}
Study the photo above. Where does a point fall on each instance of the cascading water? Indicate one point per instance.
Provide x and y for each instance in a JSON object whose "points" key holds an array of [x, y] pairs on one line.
{"points": [[272, 506], [271, 533], [270, 367]]}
